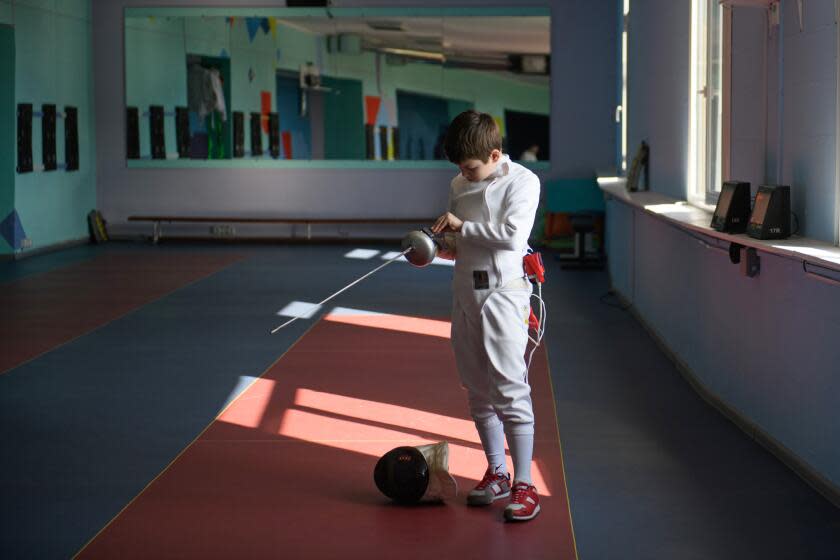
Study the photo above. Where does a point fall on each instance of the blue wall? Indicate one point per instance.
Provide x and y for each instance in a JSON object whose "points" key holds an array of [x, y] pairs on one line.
{"points": [[767, 346], [583, 92], [809, 127], [659, 43], [749, 102]]}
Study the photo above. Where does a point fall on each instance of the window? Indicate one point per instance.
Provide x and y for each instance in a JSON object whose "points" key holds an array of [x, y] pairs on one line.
{"points": [[708, 160]]}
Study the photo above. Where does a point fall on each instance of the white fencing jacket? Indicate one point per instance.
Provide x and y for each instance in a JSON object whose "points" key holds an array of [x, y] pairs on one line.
{"points": [[498, 215]]}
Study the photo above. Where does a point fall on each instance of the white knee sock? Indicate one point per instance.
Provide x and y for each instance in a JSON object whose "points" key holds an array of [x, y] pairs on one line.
{"points": [[522, 451], [493, 440]]}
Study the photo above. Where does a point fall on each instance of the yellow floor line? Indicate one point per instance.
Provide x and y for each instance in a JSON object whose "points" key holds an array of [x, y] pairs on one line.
{"points": [[560, 445]]}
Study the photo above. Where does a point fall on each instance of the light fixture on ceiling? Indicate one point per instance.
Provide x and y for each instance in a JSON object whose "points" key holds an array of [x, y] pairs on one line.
{"points": [[386, 25], [412, 53], [530, 64]]}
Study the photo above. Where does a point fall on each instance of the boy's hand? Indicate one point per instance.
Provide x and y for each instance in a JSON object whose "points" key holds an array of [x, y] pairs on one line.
{"points": [[447, 222], [447, 247]]}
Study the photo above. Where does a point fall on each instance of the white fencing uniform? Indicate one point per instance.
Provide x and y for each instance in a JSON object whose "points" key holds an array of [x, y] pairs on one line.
{"points": [[491, 294]]}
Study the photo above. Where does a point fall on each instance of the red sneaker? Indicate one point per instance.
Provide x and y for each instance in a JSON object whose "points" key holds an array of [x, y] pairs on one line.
{"points": [[525, 503], [492, 487]]}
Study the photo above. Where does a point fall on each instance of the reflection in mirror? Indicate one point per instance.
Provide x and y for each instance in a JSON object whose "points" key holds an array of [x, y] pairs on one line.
{"points": [[307, 85]]}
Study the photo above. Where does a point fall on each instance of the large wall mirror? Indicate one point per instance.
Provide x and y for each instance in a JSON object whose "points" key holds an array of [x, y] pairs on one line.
{"points": [[318, 85]]}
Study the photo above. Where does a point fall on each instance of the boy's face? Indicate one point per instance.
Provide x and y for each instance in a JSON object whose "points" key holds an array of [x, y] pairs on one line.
{"points": [[475, 170]]}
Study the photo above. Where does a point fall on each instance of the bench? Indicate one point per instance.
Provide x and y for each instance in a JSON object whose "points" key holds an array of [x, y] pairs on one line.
{"points": [[308, 222]]}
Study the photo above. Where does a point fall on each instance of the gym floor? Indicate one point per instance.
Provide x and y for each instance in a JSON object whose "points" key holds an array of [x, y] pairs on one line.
{"points": [[147, 413]]}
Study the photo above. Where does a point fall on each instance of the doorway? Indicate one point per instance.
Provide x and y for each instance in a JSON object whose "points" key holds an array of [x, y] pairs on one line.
{"points": [[295, 130], [525, 130], [344, 123]]}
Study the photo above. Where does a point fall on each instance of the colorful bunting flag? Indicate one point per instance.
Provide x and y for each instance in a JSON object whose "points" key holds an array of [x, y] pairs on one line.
{"points": [[372, 104], [265, 108], [253, 25]]}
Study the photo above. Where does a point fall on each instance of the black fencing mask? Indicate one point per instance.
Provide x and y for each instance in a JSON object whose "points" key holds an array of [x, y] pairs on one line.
{"points": [[408, 475]]}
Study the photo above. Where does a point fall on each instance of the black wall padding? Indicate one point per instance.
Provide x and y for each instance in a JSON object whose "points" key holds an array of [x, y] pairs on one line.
{"points": [[158, 140], [256, 135], [383, 141], [182, 131], [238, 134], [370, 137], [396, 134], [274, 135], [132, 131], [71, 138], [48, 137], [24, 137], [306, 3]]}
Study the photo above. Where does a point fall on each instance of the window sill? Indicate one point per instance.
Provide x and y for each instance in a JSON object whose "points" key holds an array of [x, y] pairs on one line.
{"points": [[694, 219], [702, 204]]}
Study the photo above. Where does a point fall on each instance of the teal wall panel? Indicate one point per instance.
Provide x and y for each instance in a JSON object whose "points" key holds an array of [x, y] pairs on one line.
{"points": [[7, 127], [345, 138], [5, 12], [456, 107], [54, 65]]}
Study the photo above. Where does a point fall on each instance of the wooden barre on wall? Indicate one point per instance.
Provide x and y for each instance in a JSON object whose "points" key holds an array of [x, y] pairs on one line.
{"points": [[308, 222]]}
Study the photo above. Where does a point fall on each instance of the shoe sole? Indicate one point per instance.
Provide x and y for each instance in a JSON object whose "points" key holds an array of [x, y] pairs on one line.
{"points": [[482, 500], [510, 516]]}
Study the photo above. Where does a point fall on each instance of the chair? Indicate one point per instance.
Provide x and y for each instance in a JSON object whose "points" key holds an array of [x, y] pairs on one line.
{"points": [[583, 202]]}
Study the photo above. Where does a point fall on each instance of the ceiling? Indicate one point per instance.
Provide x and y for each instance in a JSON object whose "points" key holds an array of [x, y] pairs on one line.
{"points": [[484, 37]]}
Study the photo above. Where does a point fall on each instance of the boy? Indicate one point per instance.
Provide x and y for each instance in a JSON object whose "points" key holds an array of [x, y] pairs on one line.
{"points": [[492, 204]]}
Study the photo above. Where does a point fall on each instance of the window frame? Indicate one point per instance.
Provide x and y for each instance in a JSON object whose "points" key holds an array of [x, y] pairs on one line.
{"points": [[837, 138], [702, 189], [621, 109]]}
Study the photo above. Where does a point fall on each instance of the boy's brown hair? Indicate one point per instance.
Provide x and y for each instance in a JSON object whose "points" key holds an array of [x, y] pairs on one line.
{"points": [[472, 135]]}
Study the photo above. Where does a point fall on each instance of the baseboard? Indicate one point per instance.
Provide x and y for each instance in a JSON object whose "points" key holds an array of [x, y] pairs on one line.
{"points": [[52, 248], [245, 240], [795, 463], [327, 233]]}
